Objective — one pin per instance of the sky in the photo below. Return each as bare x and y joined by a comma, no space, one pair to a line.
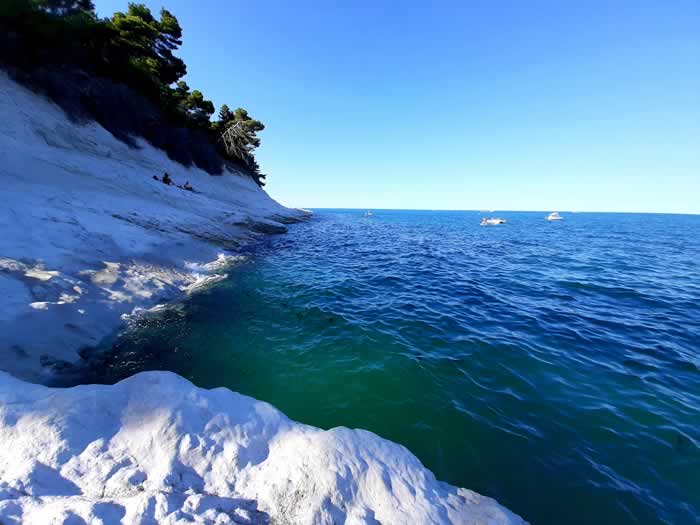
522,105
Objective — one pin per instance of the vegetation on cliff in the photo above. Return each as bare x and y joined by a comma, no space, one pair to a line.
97,57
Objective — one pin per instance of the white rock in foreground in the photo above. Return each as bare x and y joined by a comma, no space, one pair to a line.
89,236
156,449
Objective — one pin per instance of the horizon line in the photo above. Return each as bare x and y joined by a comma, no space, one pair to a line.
499,210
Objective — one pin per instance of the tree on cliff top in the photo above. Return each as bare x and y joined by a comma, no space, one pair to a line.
148,44
187,107
65,7
133,48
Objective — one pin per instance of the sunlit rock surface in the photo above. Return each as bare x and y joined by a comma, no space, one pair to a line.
156,449
88,235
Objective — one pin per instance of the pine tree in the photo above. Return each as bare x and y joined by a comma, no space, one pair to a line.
149,43
225,114
65,7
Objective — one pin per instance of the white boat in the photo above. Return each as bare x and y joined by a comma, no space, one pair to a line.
554,216
493,221
368,213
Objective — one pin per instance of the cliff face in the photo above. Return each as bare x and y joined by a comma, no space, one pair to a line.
88,234
87,237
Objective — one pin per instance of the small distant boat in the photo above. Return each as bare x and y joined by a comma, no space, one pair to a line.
554,216
493,221
368,213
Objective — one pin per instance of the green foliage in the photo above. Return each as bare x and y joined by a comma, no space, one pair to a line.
33,31
65,7
199,111
187,107
132,47
225,114
240,116
142,49
245,138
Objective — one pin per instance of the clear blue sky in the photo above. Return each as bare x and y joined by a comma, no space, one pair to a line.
523,105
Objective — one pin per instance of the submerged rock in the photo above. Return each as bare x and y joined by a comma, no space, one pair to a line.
267,226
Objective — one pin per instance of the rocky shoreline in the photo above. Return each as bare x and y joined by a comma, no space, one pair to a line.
91,236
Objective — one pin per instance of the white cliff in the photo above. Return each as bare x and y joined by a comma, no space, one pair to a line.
88,236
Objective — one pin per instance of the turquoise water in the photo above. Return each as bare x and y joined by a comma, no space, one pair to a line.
553,366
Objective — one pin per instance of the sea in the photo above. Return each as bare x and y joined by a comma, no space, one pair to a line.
554,366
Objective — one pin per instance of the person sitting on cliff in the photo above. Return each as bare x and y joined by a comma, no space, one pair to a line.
166,179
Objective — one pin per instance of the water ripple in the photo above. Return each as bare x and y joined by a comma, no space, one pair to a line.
553,366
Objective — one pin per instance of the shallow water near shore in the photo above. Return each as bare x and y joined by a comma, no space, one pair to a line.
553,366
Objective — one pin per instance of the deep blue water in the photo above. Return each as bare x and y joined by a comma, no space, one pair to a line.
553,366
